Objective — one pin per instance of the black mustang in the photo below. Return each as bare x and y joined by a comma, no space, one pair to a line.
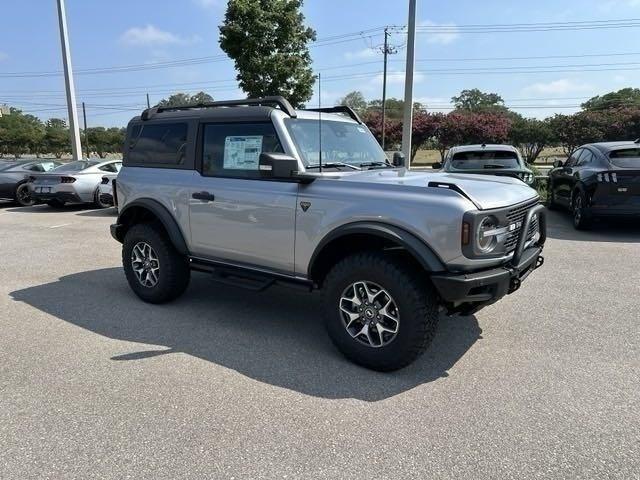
598,180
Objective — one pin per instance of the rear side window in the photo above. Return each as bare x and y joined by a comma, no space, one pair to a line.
162,144
625,158
233,150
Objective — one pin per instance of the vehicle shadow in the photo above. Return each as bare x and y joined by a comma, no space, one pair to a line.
101,212
274,337
560,226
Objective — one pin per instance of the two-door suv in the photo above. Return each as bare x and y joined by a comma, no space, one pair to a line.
256,193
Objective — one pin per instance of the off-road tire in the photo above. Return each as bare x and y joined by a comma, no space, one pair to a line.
174,273
551,198
416,299
55,203
581,217
21,199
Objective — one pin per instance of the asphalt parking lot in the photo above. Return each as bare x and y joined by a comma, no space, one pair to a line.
226,383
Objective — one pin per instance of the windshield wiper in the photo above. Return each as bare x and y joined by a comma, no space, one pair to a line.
494,165
333,165
375,164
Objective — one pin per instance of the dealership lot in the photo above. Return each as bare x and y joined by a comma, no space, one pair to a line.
226,383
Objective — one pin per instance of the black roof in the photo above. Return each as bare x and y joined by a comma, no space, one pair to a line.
606,147
254,113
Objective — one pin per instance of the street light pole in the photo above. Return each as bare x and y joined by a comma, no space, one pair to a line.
384,86
408,84
76,146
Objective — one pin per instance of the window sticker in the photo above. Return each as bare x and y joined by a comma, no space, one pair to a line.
242,152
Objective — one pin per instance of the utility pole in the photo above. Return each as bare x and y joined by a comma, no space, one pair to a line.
148,103
384,86
76,146
408,84
86,135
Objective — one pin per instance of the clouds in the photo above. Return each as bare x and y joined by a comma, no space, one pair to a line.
397,78
364,53
3,56
558,87
208,3
441,33
152,36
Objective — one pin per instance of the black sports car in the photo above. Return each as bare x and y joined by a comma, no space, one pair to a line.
14,175
598,180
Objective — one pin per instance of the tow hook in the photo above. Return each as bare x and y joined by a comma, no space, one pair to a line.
514,284
539,262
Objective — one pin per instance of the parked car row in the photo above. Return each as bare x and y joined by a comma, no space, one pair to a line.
49,181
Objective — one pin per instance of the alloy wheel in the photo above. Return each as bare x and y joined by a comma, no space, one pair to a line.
23,195
369,314
577,210
145,264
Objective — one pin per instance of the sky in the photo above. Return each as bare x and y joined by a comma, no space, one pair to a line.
538,73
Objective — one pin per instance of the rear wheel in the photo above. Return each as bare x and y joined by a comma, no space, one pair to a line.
379,312
55,203
23,196
97,202
551,203
155,270
581,217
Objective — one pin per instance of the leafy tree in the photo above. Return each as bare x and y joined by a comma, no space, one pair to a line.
181,99
267,40
424,130
477,101
625,98
56,137
395,107
468,128
531,136
393,127
20,133
354,100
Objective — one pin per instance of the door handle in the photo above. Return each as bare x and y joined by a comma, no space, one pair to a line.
204,196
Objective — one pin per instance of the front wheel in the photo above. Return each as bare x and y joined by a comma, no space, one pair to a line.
155,270
99,203
380,312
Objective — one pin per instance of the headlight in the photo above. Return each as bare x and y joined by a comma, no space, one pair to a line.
487,234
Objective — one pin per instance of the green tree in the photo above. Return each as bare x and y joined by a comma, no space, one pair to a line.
531,136
20,133
625,98
395,107
56,137
354,100
99,141
182,99
267,39
477,101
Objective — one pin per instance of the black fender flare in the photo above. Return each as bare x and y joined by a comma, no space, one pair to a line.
416,247
161,213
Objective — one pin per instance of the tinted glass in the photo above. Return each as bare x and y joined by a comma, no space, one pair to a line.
75,166
585,158
573,159
344,142
626,158
233,150
484,159
158,144
110,167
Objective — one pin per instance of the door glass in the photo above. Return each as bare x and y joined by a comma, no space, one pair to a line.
233,150
585,158
573,159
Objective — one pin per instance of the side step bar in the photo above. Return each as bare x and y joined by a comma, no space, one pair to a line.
247,278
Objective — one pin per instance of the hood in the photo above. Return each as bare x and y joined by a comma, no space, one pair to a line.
485,191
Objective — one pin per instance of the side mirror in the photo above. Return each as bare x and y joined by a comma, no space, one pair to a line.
558,164
436,166
399,160
277,165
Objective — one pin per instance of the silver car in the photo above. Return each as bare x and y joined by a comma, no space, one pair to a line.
105,189
75,182
14,177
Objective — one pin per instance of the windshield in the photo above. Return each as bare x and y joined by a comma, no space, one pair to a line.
342,142
626,158
75,166
484,159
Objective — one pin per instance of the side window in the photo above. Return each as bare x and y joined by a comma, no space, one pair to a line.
109,167
158,144
573,159
233,150
36,168
585,158
118,166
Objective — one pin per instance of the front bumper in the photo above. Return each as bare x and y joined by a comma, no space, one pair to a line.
470,291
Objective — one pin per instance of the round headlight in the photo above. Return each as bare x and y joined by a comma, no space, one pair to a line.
487,236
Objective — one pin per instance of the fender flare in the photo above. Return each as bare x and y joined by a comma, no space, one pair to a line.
416,247
164,217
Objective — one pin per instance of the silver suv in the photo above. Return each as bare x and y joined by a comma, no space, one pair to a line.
255,193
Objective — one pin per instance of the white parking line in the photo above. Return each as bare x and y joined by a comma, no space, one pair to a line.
58,226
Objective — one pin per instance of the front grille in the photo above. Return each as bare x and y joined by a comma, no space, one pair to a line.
516,216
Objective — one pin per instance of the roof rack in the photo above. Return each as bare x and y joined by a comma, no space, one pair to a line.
337,109
278,101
